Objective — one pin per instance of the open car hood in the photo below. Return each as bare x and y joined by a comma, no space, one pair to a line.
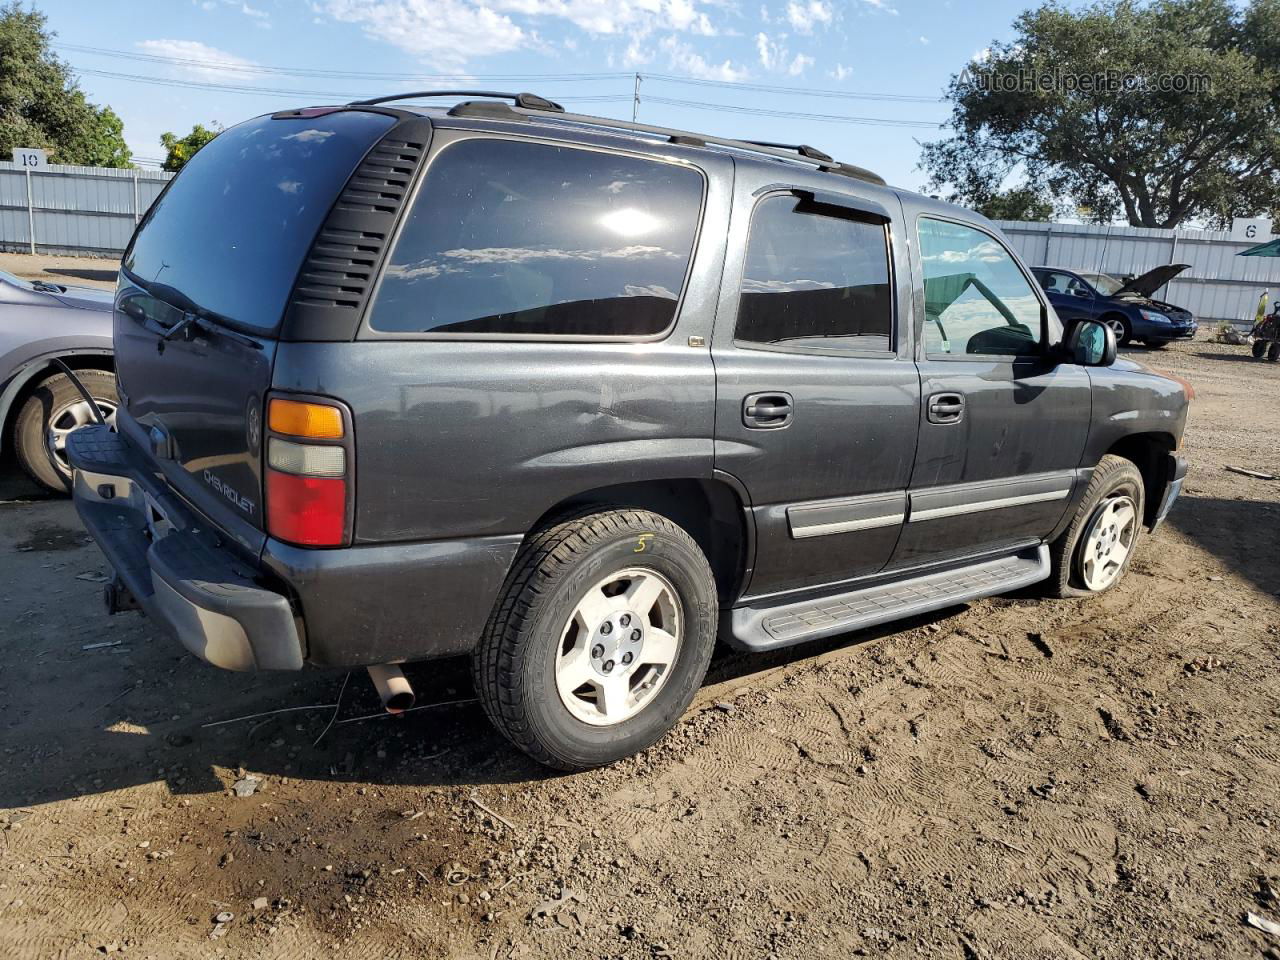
1146,284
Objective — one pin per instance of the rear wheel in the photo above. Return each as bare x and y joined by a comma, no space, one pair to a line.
1093,554
51,412
1258,349
600,638
1273,351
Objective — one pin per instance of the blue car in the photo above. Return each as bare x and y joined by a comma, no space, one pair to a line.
1127,306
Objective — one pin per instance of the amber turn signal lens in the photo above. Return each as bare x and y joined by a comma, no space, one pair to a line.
298,419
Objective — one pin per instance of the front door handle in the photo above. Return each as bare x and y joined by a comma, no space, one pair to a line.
767,411
946,408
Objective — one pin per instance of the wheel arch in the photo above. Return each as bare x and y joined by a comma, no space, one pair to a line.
1149,452
29,375
711,510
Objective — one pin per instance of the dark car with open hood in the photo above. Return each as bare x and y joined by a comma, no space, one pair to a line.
1128,306
576,398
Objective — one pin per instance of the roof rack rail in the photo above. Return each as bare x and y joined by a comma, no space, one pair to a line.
529,101
783,151
806,151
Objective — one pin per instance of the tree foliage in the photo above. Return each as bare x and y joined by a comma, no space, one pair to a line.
1126,142
1016,203
41,105
178,150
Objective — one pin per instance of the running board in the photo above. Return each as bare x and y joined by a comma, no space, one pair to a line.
768,628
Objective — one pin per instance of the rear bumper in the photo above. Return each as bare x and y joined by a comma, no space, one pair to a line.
1173,489
356,606
178,569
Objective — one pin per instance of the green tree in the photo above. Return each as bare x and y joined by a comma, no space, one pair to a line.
1016,203
1088,104
181,149
40,103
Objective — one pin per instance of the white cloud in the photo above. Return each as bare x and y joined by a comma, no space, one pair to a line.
803,16
199,56
775,56
448,33
840,72
685,59
799,65
768,51
881,6
924,41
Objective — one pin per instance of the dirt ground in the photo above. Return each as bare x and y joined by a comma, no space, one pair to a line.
1018,778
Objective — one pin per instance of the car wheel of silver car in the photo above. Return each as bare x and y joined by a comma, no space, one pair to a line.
55,408
600,638
1095,551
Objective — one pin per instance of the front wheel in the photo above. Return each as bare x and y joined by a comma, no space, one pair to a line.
55,408
1258,349
1093,554
1273,351
599,640
1120,327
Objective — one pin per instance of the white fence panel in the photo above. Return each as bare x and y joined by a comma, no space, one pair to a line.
1218,286
76,211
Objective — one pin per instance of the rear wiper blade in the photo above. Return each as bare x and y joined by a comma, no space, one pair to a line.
191,322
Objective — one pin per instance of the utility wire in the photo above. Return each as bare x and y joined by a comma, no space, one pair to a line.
249,68
792,114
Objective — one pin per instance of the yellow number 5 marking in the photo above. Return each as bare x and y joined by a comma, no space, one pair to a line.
642,542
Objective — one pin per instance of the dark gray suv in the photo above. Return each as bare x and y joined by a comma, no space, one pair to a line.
576,397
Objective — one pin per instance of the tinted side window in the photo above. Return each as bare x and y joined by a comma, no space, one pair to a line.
532,239
814,279
976,299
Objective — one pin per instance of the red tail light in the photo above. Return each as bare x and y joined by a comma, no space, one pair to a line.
308,483
308,511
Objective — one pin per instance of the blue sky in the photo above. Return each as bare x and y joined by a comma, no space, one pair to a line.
889,49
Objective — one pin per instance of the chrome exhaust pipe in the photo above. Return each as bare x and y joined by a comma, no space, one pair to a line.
397,696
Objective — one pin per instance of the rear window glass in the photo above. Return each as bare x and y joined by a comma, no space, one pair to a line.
231,230
528,239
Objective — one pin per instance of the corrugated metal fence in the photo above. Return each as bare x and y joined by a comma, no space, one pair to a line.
1219,286
91,211
73,211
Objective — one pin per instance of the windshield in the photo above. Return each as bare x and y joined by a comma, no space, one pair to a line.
228,235
1104,283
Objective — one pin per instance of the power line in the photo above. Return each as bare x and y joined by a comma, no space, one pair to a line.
792,91
249,68
793,115
290,92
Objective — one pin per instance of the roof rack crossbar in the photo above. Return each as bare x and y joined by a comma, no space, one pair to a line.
529,101
784,152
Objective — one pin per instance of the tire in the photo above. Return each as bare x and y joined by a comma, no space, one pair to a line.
56,399
1121,327
517,666
1258,348
1114,479
1273,351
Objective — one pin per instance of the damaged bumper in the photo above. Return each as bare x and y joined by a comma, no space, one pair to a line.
178,570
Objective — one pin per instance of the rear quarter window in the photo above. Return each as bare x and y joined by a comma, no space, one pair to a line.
230,231
524,239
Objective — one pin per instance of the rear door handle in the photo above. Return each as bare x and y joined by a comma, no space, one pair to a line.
946,408
767,411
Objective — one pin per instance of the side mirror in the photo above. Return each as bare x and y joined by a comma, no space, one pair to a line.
1091,343
1081,292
